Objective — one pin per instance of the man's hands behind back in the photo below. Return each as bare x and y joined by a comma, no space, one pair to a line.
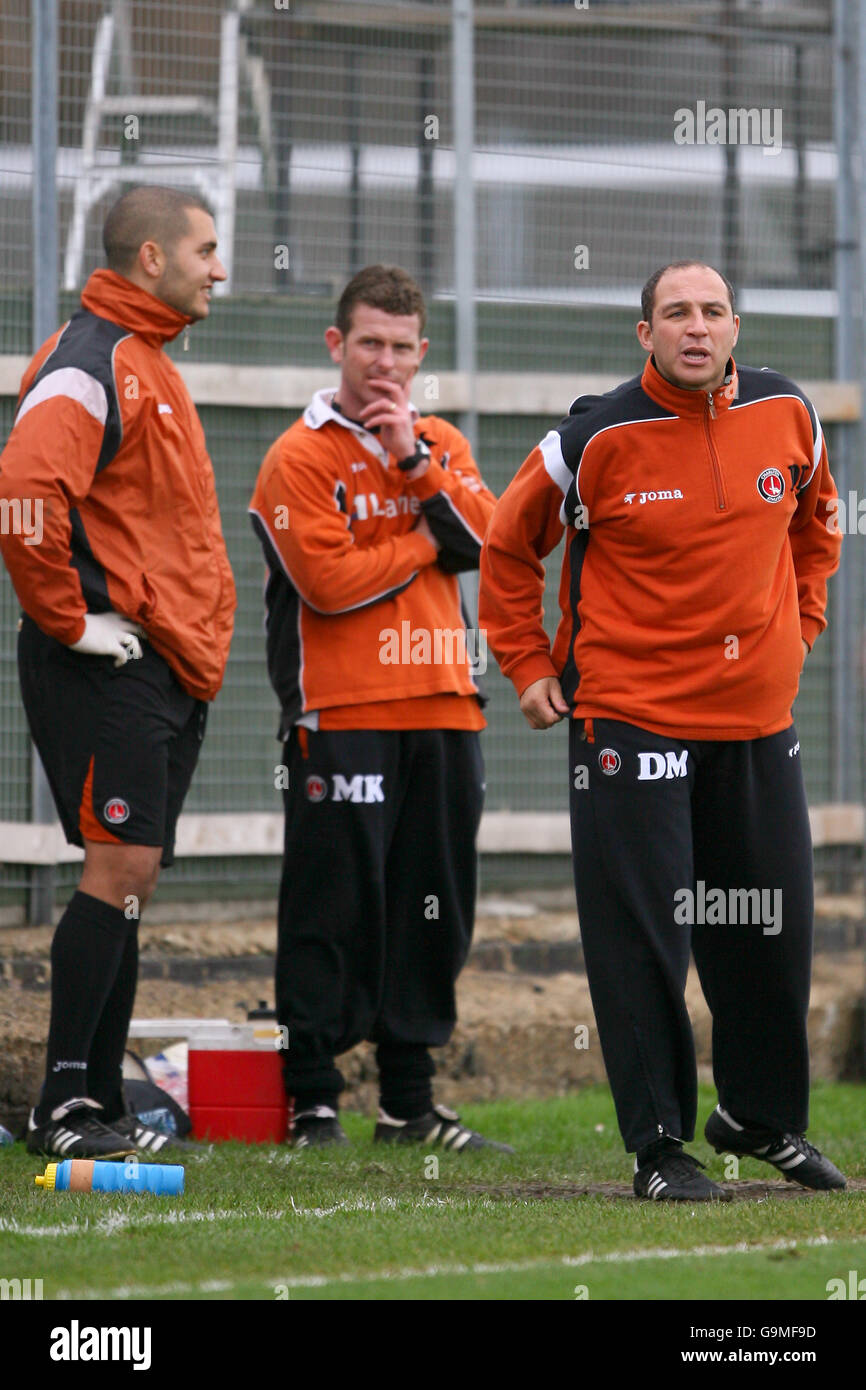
110,634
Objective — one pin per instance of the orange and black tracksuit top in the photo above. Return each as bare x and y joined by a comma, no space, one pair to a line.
365,624
700,532
107,440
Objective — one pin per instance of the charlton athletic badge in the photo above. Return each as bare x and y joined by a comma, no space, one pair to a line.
771,485
116,810
316,788
609,761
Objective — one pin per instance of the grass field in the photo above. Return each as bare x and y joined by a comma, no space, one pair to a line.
555,1222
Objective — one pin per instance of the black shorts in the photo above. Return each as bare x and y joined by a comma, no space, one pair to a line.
119,744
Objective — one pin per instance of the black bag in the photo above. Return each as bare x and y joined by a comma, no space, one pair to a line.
149,1102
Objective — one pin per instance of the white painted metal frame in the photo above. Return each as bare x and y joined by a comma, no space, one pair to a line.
216,180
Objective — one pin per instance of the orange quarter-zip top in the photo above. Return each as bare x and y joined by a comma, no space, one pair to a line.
700,530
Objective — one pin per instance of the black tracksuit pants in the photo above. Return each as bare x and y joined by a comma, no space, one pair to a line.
377,898
658,824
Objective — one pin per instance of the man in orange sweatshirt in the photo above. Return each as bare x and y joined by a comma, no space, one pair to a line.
128,603
366,512
697,506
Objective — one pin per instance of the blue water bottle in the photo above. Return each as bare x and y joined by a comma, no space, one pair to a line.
95,1175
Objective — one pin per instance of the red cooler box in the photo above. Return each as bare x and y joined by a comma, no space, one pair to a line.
236,1083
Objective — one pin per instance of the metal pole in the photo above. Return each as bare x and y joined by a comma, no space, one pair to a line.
463,80
279,58
227,138
43,15
858,471
354,131
801,192
845,369
426,204
731,187
463,114
123,30
466,360
844,99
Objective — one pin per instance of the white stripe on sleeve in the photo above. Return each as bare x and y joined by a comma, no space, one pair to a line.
73,383
551,449
819,443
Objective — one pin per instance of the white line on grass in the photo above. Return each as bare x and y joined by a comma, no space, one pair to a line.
318,1281
118,1221
115,1221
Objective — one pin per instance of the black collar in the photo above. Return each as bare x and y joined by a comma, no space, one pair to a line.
360,423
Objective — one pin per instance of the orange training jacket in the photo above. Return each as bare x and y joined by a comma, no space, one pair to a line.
700,532
359,621
108,450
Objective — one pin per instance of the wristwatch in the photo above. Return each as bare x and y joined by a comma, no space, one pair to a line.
421,455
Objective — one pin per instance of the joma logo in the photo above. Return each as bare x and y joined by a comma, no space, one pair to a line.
663,495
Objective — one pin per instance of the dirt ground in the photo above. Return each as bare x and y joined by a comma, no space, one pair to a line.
519,1034
742,1190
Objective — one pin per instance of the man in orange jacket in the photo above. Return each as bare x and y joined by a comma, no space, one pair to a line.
698,509
128,603
366,512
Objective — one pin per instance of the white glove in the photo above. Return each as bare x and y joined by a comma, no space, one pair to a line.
110,634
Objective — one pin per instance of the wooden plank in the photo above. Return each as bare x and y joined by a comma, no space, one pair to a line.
223,835
496,393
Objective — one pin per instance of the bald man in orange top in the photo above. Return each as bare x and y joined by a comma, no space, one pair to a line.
698,511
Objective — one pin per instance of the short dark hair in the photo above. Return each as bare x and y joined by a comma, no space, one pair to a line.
147,212
648,294
386,287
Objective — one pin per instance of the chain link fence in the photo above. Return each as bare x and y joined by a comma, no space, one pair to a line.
608,138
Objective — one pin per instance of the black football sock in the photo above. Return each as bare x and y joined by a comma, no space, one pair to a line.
105,1063
86,952
666,1144
303,1101
406,1072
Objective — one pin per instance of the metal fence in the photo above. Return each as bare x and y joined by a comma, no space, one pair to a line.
530,164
